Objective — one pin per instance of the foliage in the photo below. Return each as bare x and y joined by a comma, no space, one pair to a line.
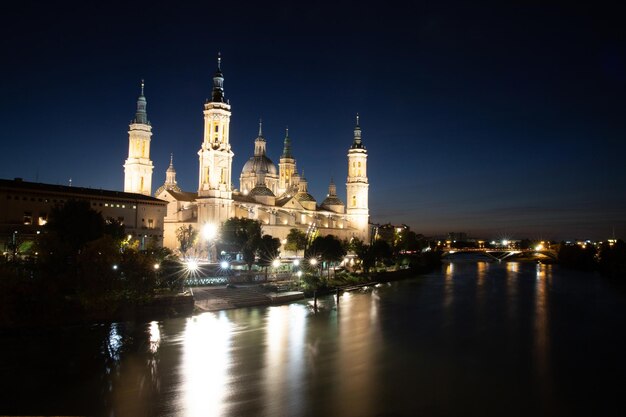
243,236
312,282
612,259
268,250
380,251
75,223
115,229
81,270
576,256
328,248
296,240
186,236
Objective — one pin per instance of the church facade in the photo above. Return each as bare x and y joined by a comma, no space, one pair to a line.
277,197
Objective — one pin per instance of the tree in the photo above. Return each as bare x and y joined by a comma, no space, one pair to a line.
612,259
243,236
186,236
328,248
268,251
296,240
577,257
380,250
362,251
75,223
115,229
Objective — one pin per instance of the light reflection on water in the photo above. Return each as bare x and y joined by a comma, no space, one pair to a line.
205,364
480,338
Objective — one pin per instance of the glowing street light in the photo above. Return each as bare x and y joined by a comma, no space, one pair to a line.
313,261
276,263
209,231
192,265
296,262
115,267
156,266
224,265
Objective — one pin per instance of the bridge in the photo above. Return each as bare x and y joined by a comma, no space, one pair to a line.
499,254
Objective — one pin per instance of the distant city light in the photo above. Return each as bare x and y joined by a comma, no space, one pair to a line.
224,265
296,262
505,242
276,263
539,247
313,261
157,266
299,274
114,267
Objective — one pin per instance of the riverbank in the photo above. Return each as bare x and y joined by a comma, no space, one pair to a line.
71,312
58,311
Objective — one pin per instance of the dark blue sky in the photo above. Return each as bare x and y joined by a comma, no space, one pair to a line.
497,120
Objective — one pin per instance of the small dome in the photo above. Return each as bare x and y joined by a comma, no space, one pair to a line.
304,197
259,164
332,201
261,190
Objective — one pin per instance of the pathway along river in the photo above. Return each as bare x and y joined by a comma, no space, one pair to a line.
474,338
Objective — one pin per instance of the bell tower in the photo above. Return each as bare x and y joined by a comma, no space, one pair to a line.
215,157
138,166
286,166
357,186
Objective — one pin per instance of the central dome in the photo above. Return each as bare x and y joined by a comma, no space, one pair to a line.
259,164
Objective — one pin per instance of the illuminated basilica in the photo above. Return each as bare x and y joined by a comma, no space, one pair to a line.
276,196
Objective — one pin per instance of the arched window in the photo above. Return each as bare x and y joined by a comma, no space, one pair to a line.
353,201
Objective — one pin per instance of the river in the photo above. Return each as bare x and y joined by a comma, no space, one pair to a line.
474,338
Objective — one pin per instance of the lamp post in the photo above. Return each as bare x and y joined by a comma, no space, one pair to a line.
209,231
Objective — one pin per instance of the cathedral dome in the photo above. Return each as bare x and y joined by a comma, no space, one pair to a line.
332,201
261,190
304,196
259,164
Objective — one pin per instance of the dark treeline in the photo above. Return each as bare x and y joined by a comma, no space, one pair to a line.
609,258
80,267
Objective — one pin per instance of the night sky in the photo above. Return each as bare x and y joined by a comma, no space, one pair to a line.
495,120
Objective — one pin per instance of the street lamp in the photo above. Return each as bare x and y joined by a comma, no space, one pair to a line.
191,265
209,231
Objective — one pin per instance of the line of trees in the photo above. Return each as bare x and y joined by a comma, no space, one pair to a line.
81,263
608,258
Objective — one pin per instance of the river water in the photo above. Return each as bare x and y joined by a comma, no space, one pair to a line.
474,338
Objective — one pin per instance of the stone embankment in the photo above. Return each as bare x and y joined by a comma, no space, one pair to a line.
227,297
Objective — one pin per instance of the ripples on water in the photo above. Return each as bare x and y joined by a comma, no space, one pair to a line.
479,338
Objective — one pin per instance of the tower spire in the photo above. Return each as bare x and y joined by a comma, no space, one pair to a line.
356,143
218,82
140,115
260,127
287,145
